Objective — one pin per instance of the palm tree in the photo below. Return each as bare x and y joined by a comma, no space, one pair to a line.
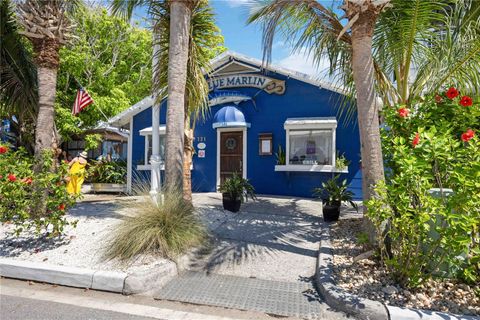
18,79
47,26
318,28
418,46
205,42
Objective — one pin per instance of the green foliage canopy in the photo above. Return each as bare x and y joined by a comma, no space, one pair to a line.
111,59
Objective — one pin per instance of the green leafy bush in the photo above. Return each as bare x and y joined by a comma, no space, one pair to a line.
430,144
103,171
237,187
168,228
333,192
19,194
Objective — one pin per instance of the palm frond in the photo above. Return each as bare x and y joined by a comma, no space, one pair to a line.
18,79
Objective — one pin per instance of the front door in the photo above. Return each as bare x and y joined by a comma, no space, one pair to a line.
231,154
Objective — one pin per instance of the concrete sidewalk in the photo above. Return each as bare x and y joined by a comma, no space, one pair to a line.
262,258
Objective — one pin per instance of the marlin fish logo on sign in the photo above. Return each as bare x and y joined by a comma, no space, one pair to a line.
269,85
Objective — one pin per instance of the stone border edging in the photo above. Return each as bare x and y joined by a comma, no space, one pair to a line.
113,281
364,309
361,308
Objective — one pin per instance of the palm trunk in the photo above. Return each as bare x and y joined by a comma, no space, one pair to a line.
45,126
187,162
368,121
180,15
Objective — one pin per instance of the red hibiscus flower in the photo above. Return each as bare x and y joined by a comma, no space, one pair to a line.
438,98
27,180
403,112
11,177
452,93
469,134
3,149
416,140
61,207
466,101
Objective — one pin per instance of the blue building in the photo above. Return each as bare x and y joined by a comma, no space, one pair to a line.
254,112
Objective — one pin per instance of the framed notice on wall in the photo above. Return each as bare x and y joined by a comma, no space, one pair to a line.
265,147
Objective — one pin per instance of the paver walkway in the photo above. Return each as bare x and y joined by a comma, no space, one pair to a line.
262,258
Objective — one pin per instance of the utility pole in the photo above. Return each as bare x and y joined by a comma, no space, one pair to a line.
155,160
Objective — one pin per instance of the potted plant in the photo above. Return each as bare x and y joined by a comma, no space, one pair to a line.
333,193
108,176
236,190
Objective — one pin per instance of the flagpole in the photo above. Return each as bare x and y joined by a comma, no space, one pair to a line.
80,85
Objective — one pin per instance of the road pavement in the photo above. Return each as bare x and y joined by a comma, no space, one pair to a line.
25,300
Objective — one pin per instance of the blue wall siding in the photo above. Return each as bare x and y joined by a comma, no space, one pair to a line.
271,111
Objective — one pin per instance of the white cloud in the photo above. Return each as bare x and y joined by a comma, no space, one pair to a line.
302,62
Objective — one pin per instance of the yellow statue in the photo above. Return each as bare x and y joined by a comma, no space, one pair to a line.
77,173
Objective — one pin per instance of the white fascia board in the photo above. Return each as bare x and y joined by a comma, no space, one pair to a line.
123,118
162,129
310,123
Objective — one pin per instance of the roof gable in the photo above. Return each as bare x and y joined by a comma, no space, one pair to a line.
234,67
231,63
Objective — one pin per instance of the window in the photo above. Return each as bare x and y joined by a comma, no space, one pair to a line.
147,133
148,148
310,145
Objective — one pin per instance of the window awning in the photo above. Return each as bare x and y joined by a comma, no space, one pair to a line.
148,131
228,117
311,123
226,96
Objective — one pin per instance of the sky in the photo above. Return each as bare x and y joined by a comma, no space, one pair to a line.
231,16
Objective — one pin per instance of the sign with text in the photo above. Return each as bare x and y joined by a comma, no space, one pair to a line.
269,85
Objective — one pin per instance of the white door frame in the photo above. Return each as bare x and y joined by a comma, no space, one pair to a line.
244,151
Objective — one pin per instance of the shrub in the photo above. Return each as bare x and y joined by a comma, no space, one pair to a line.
19,195
103,171
167,229
237,188
431,144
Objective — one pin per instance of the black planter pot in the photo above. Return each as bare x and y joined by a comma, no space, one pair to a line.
232,205
331,212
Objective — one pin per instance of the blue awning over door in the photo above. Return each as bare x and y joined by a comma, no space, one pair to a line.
229,117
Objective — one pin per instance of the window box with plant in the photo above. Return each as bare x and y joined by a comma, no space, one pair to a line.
333,193
108,176
236,190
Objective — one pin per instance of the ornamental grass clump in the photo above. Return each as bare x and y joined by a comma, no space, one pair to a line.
167,229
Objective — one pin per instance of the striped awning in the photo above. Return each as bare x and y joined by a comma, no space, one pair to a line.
229,117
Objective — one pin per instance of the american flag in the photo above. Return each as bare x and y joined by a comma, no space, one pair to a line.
82,100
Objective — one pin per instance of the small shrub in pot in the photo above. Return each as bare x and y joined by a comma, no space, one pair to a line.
333,193
236,190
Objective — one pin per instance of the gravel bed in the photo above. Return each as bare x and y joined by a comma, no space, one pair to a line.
84,245
368,279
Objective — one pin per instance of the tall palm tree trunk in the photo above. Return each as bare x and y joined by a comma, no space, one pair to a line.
367,107
180,15
187,161
368,121
45,126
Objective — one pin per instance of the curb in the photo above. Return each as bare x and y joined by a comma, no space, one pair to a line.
113,281
364,309
335,297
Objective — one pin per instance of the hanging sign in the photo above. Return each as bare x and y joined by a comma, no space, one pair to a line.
269,85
